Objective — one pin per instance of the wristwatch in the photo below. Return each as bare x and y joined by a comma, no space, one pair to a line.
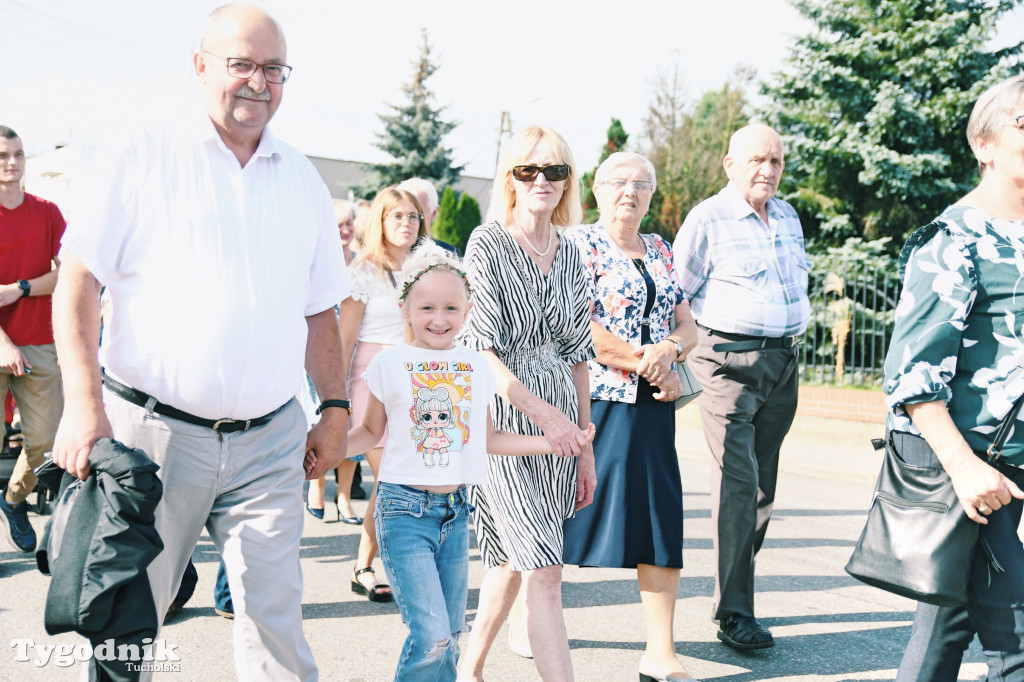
26,288
344,404
679,349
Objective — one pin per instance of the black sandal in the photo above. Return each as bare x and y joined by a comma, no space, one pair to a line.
745,633
374,593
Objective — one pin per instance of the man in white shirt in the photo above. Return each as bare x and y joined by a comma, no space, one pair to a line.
218,245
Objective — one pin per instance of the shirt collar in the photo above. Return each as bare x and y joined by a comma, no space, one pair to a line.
738,205
204,132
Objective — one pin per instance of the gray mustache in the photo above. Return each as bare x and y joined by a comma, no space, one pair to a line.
248,93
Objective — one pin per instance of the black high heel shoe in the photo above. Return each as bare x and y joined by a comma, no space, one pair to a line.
314,512
652,675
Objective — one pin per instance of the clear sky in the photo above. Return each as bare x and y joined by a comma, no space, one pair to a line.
75,70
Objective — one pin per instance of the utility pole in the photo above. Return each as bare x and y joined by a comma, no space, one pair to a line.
505,127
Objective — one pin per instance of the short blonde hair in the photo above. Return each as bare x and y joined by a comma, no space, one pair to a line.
999,101
374,246
503,194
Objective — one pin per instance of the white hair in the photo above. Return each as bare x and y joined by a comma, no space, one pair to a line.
420,186
622,159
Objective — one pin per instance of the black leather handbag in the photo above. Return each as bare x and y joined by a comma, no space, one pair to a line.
918,541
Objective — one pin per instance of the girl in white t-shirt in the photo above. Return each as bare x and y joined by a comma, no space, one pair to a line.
433,398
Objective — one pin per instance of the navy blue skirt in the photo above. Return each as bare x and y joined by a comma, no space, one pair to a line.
637,513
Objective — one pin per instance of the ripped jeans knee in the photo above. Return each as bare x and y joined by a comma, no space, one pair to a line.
442,648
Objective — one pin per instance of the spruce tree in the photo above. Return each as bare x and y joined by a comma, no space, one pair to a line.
445,226
414,133
873,105
456,218
469,218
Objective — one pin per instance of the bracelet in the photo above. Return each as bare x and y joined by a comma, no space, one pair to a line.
344,404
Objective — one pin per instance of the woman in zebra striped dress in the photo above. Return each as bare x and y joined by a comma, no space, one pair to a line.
530,317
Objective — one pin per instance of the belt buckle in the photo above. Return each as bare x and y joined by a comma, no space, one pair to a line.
227,422
764,342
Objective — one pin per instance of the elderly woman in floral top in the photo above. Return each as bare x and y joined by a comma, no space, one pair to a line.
954,369
636,519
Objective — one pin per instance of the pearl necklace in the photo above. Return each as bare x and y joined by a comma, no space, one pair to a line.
551,234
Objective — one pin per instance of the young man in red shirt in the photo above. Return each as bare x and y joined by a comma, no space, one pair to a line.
30,232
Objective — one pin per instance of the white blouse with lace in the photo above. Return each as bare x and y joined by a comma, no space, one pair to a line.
382,319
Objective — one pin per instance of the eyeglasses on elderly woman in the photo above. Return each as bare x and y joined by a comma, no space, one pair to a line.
639,186
553,173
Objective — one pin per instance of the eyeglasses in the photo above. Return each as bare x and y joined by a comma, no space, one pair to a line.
402,217
552,173
639,186
1018,122
244,69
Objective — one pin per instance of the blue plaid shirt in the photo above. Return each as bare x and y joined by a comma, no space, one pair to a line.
740,275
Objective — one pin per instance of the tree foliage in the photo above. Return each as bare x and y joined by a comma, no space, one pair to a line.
469,219
414,133
445,225
686,141
873,105
616,142
456,218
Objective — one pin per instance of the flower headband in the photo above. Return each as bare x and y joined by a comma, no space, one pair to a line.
433,266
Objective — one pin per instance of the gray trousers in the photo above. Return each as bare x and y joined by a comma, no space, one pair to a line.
746,409
246,489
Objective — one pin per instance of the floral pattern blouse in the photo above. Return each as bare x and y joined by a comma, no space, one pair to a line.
619,297
958,335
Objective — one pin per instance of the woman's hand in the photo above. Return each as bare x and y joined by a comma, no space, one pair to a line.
655,360
981,488
567,438
669,387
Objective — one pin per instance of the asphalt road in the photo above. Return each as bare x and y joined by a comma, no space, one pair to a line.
828,627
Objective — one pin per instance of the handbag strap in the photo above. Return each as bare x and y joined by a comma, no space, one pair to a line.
995,451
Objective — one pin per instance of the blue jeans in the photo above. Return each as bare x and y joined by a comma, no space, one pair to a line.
221,593
424,546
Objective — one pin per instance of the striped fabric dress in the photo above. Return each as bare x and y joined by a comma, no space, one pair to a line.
519,512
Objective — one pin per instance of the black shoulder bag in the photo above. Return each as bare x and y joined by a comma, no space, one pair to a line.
918,541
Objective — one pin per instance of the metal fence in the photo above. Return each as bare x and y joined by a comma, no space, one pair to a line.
851,323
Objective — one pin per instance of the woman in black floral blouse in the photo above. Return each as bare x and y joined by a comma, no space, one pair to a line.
954,369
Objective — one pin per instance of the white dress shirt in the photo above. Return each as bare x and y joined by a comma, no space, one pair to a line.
212,268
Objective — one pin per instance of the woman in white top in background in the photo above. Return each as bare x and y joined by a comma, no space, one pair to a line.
345,212
371,320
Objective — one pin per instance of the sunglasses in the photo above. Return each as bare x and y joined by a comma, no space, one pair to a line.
552,173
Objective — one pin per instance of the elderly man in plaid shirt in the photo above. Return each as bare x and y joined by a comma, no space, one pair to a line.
740,261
